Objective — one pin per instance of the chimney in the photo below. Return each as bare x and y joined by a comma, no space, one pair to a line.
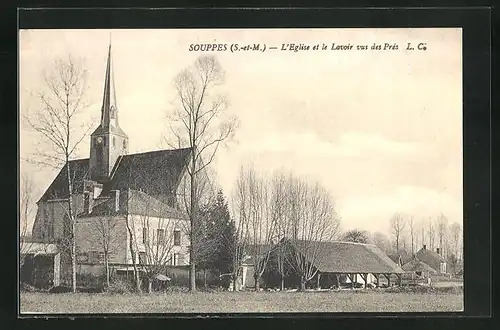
88,202
425,247
117,199
438,250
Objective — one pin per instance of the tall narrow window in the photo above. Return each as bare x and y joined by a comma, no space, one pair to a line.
124,144
114,141
104,140
160,234
175,259
144,235
177,237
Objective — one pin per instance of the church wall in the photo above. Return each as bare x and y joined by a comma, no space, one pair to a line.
49,224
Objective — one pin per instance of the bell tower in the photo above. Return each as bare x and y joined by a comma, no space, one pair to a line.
108,141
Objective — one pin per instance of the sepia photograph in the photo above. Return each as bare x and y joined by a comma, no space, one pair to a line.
287,170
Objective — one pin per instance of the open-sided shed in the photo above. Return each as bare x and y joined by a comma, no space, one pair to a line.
336,258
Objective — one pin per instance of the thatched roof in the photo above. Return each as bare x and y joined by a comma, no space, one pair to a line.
416,265
346,257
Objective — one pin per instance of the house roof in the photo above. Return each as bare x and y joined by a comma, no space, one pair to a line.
429,257
396,258
347,257
253,249
157,173
133,202
416,265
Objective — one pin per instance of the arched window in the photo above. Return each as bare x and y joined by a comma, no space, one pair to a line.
113,141
124,144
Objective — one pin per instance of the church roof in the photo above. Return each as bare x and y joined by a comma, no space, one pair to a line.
156,173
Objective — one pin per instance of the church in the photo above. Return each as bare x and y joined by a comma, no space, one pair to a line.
124,204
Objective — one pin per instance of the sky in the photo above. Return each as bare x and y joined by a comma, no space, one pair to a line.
381,130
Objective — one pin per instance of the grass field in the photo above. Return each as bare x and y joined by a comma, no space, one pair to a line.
235,302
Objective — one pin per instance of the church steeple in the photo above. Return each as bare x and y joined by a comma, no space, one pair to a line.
108,142
109,110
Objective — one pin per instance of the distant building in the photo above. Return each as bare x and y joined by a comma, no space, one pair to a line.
433,259
426,262
113,185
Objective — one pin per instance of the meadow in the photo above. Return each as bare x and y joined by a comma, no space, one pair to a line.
241,302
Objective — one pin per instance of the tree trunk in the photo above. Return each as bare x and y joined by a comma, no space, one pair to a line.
73,225
107,270
282,287
192,277
192,256
302,283
257,283
150,285
205,278
132,253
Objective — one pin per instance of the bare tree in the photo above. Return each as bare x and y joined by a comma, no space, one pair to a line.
455,237
412,233
199,123
382,241
133,249
57,121
357,236
156,245
313,221
104,228
282,224
431,234
422,227
455,234
398,224
26,209
442,226
261,224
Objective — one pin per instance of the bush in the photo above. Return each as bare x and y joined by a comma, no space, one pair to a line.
91,281
424,289
27,288
120,287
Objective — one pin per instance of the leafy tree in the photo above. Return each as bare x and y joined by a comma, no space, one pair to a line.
357,236
220,236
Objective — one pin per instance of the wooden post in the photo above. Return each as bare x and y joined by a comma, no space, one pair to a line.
338,280
376,277
352,281
57,269
365,279
388,280
317,283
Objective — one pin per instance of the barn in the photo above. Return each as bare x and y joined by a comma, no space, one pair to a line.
334,263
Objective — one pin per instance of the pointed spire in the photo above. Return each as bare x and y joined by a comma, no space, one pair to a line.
109,110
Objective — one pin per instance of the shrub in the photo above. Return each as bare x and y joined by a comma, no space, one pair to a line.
120,287
27,288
